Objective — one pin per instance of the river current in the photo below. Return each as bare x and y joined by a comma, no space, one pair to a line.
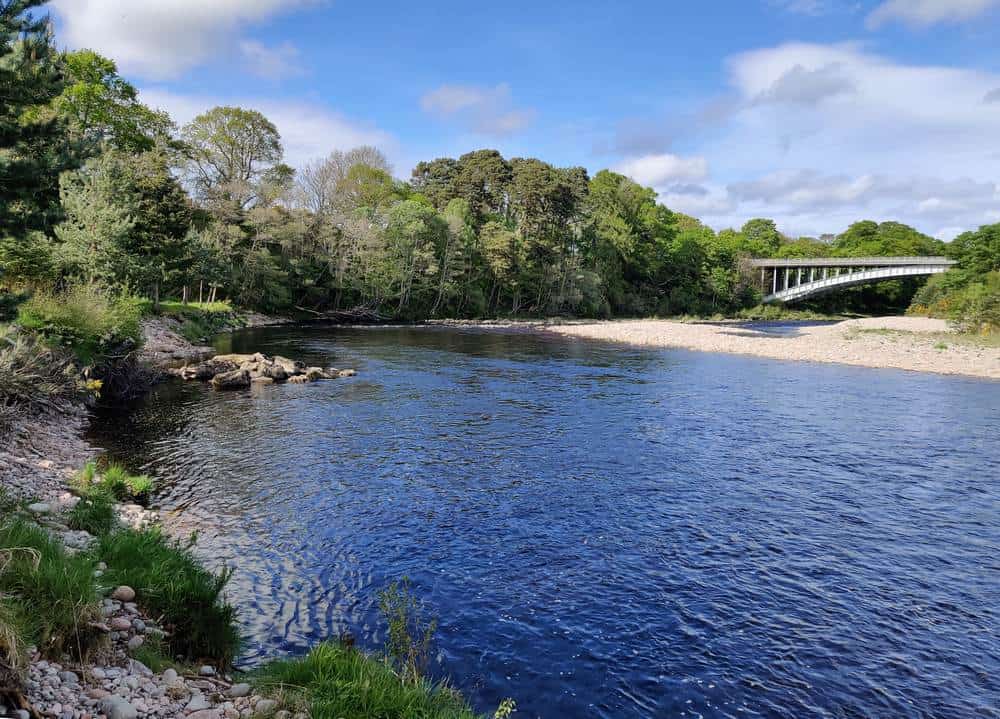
603,531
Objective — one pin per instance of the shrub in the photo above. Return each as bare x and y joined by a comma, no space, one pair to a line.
85,319
33,377
94,513
409,637
171,583
334,681
55,590
14,634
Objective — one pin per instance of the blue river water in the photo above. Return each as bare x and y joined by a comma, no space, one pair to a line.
604,531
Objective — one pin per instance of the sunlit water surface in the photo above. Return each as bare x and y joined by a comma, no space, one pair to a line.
604,531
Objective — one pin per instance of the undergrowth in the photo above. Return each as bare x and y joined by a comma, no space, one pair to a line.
171,583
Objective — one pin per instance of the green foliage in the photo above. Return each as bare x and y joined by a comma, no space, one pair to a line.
100,106
171,583
124,486
15,631
969,294
55,590
127,224
94,513
86,319
338,682
409,634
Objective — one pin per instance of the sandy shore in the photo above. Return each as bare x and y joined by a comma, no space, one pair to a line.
910,343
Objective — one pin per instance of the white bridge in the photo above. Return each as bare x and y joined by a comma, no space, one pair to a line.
797,279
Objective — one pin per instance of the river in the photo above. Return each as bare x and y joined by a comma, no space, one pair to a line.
603,531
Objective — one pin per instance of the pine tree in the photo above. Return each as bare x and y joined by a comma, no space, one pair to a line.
33,143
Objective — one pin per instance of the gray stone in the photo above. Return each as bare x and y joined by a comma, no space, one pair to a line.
198,703
139,626
120,624
69,678
134,643
265,707
22,714
207,671
346,373
239,690
40,508
117,708
123,594
169,676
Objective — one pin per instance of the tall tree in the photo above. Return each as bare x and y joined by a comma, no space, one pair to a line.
100,106
232,153
33,145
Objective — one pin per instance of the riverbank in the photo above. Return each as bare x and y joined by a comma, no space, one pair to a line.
917,344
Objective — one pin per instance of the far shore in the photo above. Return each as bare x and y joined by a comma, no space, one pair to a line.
918,344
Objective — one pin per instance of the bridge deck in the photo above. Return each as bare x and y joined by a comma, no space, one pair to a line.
798,278
851,262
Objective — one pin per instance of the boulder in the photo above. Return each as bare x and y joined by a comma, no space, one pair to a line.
208,369
315,373
262,380
234,359
273,370
298,379
346,373
291,367
237,379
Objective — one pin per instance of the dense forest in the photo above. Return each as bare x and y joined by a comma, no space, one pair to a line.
99,191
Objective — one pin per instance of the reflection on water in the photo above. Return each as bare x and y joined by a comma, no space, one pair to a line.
603,531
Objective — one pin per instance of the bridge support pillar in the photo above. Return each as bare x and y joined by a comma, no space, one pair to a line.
788,276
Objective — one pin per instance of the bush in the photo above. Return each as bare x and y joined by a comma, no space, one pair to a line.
34,378
972,303
169,582
85,319
335,681
55,590
94,513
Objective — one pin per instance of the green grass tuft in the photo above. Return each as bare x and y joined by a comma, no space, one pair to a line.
127,486
94,513
55,590
171,583
338,682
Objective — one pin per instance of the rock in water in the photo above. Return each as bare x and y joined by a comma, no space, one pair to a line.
237,379
346,373
315,373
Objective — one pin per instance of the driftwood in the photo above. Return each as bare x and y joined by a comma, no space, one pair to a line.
356,315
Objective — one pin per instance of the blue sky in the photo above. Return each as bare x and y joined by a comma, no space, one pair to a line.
813,112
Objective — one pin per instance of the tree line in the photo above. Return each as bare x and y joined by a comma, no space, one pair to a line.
97,188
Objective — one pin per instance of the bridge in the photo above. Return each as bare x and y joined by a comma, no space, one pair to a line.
797,279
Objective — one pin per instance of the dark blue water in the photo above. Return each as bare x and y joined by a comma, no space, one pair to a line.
606,532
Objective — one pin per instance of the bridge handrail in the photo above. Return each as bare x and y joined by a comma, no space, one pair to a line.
850,262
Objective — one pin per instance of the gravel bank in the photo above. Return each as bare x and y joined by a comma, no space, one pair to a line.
909,343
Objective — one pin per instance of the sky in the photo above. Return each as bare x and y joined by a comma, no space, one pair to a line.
815,113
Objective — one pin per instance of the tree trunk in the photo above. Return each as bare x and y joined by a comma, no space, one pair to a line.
201,289
156,296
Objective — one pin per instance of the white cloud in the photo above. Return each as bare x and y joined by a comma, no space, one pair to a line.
924,13
663,169
818,136
992,96
308,131
272,63
804,7
161,39
484,110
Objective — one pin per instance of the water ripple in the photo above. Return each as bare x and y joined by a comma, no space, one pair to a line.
606,532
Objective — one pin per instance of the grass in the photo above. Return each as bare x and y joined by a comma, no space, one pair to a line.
199,320
154,653
34,377
94,513
85,319
171,583
338,682
116,481
55,591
